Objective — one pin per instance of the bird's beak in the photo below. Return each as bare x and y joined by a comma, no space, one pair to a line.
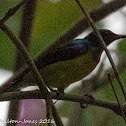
120,36
116,37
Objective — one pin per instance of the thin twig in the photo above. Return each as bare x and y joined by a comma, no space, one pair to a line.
96,15
30,63
25,32
10,96
56,116
26,29
12,11
7,86
110,80
28,60
82,25
19,45
49,103
92,24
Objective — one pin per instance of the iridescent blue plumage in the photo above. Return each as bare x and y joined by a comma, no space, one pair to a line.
71,50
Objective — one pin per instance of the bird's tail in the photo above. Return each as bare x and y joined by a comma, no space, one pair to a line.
14,83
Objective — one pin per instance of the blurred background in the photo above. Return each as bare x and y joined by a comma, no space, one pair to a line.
52,19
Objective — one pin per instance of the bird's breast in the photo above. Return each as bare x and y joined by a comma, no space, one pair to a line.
62,74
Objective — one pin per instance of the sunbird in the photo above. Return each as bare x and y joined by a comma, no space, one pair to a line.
70,62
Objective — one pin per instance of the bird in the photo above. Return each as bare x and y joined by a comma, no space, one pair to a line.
68,63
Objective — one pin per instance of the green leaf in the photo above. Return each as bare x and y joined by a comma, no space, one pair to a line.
122,45
51,21
7,49
54,19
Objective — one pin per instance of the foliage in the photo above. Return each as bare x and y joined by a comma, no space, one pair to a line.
51,21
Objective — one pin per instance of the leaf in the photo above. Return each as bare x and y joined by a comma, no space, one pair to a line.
7,49
54,19
51,21
122,45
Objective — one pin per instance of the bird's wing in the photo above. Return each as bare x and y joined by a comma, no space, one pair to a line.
68,51
65,52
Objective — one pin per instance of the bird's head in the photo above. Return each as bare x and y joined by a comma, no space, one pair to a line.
94,42
107,35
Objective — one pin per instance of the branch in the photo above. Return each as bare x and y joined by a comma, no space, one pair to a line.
56,116
117,99
19,45
26,29
12,11
92,24
82,25
25,32
86,99
78,28
23,51
96,15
